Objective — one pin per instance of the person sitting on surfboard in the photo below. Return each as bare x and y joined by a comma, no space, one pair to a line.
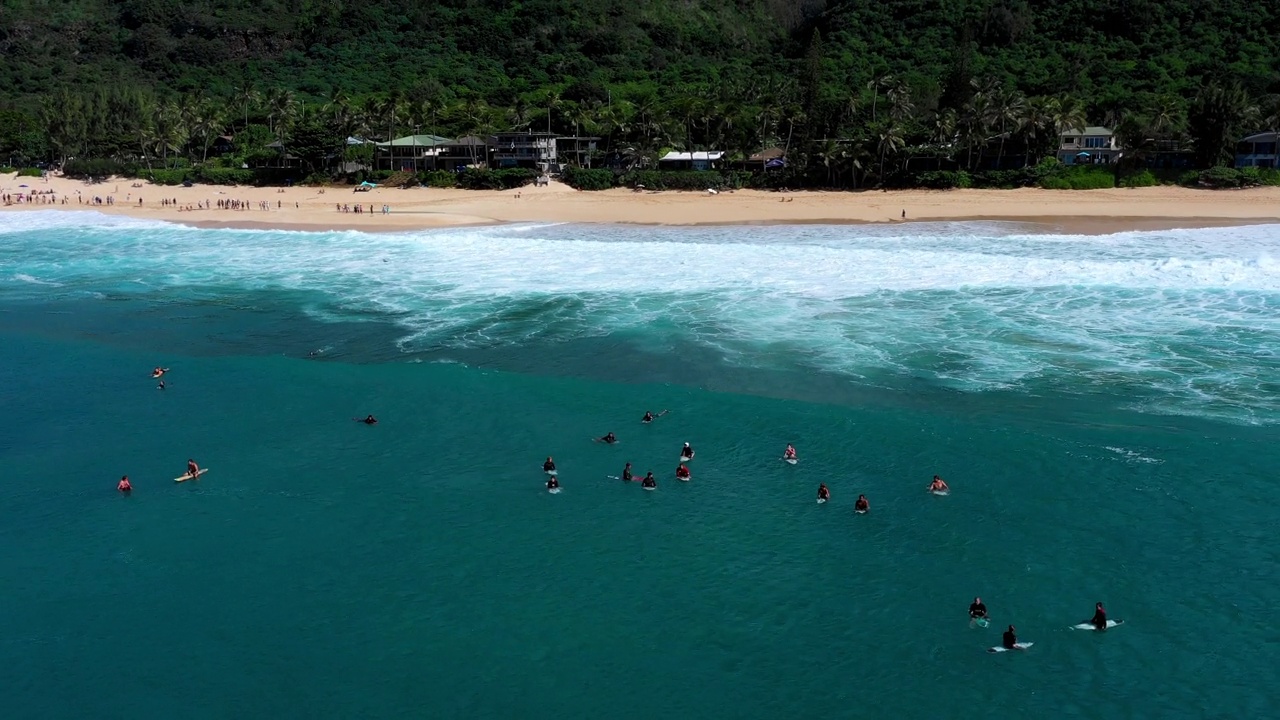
650,417
1099,617
548,466
552,483
626,473
608,438
823,492
192,468
938,485
977,609
158,372
789,453
124,485
682,472
1010,639
687,452
649,480
370,420
862,505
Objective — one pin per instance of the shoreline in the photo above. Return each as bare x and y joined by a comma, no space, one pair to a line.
309,209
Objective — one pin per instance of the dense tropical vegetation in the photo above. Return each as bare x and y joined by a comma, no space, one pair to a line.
938,93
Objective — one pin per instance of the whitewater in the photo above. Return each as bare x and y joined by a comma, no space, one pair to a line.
1190,316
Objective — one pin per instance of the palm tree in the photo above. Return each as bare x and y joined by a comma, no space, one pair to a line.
553,101
282,108
830,154
245,98
1009,111
884,80
891,141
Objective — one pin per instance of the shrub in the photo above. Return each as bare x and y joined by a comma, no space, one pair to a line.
589,179
505,179
166,177
1079,177
438,179
674,179
1140,179
942,179
224,175
93,168
30,172
1221,178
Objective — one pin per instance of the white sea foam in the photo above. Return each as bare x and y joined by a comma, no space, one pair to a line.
1191,315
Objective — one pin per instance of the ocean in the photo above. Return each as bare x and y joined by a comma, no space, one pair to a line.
1105,409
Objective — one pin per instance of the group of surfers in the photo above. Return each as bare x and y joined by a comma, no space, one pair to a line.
1009,641
193,470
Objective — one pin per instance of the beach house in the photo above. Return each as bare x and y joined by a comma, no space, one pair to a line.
525,149
411,152
700,160
1258,151
1093,145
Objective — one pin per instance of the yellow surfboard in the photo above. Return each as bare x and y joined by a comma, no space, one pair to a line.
189,476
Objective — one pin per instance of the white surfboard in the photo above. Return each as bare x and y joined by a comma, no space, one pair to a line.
822,501
550,472
861,512
651,488
683,479
940,493
1019,646
1089,626
790,461
979,622
554,490
189,476
684,459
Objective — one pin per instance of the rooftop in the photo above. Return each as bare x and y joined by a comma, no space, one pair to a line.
1269,136
690,156
1090,130
416,141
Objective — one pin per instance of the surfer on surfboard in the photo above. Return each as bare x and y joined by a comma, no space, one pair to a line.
1099,619
158,372
124,485
367,420
548,466
682,473
192,468
1009,641
687,453
626,473
650,417
823,493
649,481
938,485
552,483
789,453
607,439
862,505
977,609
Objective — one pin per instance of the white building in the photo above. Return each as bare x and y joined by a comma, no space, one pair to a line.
702,160
1091,146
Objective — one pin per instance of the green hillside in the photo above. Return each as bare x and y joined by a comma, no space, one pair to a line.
91,77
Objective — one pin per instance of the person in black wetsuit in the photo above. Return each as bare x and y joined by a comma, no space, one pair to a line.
1010,640
608,438
1099,619
977,609
649,481
552,483
823,492
626,473
548,466
370,420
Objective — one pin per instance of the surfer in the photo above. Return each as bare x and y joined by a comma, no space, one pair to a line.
650,417
626,473
1099,619
977,609
192,468
124,485
158,372
862,505
823,492
548,466
789,453
687,452
938,485
608,439
160,386
682,472
368,420
552,483
1010,640
649,481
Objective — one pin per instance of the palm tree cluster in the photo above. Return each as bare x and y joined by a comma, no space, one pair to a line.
848,134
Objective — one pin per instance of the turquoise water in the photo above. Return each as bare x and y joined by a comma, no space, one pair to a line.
1105,409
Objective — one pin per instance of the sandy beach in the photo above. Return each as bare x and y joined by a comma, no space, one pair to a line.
312,208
